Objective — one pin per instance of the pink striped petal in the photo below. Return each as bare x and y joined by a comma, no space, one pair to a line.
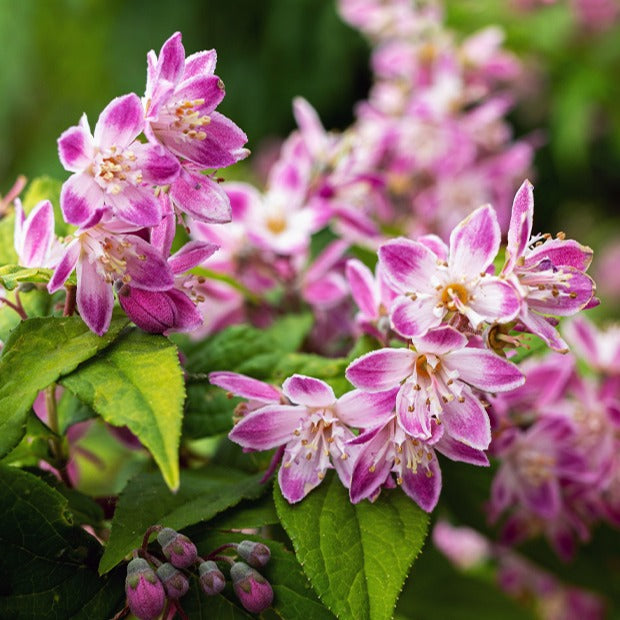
200,63
413,412
474,242
561,253
158,166
408,265
495,301
201,197
422,488
190,255
146,266
37,235
268,427
299,478
539,325
246,387
573,295
120,122
203,87
365,410
440,340
308,391
520,224
382,370
95,298
75,147
363,287
327,291
171,60
414,317
80,198
457,451
467,421
65,266
136,205
484,369
436,245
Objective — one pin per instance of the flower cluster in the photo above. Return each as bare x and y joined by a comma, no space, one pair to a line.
125,195
151,583
447,318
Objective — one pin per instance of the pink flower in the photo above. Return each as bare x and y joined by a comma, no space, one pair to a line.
434,384
35,242
549,273
312,430
432,286
112,171
180,101
103,257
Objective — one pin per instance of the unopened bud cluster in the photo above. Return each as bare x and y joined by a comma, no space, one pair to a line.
151,582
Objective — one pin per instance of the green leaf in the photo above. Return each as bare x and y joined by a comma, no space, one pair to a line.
208,411
48,565
146,501
38,352
248,514
293,594
138,382
8,255
13,275
290,331
357,556
36,303
437,589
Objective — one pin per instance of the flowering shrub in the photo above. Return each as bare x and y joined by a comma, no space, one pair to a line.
381,307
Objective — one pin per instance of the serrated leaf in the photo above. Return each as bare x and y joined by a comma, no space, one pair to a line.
356,556
13,275
138,383
208,412
147,501
38,352
293,594
48,565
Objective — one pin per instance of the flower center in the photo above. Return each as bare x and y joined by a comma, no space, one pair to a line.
113,169
421,367
453,292
184,117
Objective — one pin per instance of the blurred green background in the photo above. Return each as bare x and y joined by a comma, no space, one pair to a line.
66,57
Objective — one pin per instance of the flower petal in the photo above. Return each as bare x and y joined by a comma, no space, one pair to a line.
412,318
408,265
120,122
520,224
95,298
474,242
457,451
136,205
146,266
246,387
299,477
495,301
539,325
363,287
423,486
268,427
206,88
484,369
171,59
467,421
308,391
440,340
75,148
80,198
37,234
190,255
200,63
561,253
158,166
65,266
366,410
381,370
201,197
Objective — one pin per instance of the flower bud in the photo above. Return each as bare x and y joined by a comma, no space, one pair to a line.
254,553
252,589
145,593
175,582
212,581
178,549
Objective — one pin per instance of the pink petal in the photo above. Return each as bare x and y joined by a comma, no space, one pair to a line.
327,291
157,312
495,301
207,87
201,197
457,451
583,336
408,265
158,166
65,266
146,266
37,235
80,198
520,224
539,325
171,60
543,499
191,254
95,298
371,467
436,245
75,148
268,427
422,488
412,318
298,479
474,242
246,387
120,122
573,295
308,391
136,205
366,410
200,63
440,340
382,370
467,421
561,253
413,413
162,235
484,369
363,287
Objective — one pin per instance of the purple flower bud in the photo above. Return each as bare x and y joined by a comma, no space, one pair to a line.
212,581
145,593
254,553
252,589
175,582
177,548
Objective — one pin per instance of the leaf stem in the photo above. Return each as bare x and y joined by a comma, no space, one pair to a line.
17,306
70,300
